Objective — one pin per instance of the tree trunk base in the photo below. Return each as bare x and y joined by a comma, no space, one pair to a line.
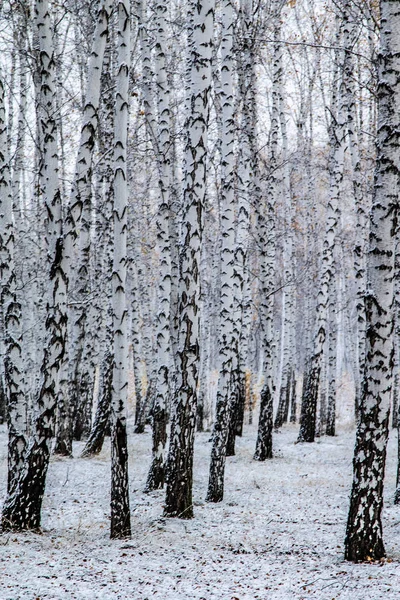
22,509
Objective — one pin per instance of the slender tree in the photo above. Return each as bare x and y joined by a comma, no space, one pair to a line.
161,403
11,312
22,508
120,512
180,459
266,231
336,164
225,392
364,539
79,212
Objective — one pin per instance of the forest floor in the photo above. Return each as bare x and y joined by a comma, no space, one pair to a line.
278,534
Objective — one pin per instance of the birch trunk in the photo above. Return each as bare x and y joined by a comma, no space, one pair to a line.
95,441
288,342
156,475
266,233
180,459
332,363
120,512
225,393
22,508
11,315
79,211
361,246
336,163
245,187
364,540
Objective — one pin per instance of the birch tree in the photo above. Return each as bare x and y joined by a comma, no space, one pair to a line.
288,305
266,233
360,249
336,163
11,312
227,338
120,511
364,540
180,458
161,403
79,211
22,507
245,186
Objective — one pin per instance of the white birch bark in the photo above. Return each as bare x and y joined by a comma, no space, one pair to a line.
360,248
364,539
288,306
180,459
149,103
136,337
99,338
225,391
79,211
11,313
120,512
266,237
245,188
22,508
156,475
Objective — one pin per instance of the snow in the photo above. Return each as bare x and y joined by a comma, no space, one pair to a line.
278,534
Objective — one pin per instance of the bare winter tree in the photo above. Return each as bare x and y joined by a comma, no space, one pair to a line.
161,403
79,213
22,507
228,342
326,286
120,512
11,311
180,459
364,539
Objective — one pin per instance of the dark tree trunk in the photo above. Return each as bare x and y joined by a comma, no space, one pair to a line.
321,409
264,437
293,403
308,416
251,407
142,409
156,476
284,402
331,417
200,413
179,468
240,405
288,396
230,440
364,541
83,408
223,430
63,438
120,512
395,408
139,424
101,421
236,412
357,402
22,510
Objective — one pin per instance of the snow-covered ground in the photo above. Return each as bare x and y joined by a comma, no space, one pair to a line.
277,535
